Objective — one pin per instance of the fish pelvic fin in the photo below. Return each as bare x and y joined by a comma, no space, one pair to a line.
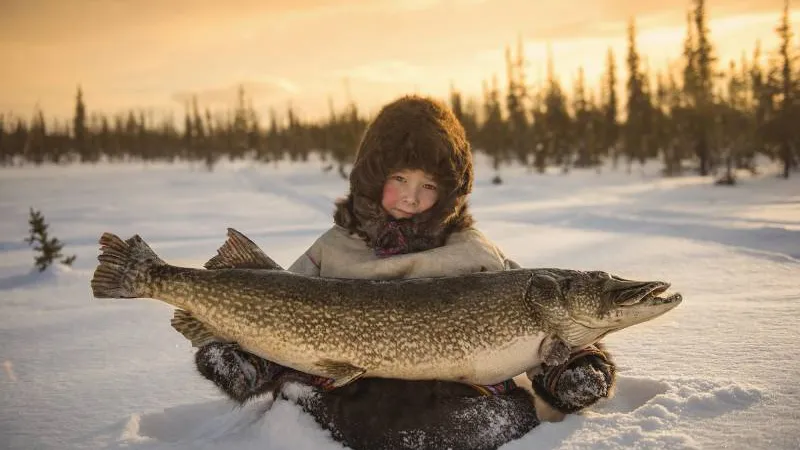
194,330
239,252
122,263
341,372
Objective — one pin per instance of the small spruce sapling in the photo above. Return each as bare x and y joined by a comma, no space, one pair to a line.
48,249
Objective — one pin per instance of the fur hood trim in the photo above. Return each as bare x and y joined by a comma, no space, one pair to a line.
412,132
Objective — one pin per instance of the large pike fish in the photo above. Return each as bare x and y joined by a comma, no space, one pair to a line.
481,328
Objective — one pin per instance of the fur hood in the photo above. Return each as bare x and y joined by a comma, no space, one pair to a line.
412,132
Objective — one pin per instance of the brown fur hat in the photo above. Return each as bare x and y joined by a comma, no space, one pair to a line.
412,132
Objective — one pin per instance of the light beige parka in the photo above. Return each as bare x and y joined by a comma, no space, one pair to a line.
339,254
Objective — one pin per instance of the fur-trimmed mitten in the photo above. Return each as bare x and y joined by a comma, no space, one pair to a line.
588,376
239,374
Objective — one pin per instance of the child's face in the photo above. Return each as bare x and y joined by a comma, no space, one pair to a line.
408,192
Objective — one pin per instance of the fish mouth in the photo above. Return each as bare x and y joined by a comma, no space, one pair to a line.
640,302
654,294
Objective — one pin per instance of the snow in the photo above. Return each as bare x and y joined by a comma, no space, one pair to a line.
720,371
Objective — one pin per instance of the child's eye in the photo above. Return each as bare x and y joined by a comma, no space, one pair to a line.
429,186
399,178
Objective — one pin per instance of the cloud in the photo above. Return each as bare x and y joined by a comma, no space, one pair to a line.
257,91
141,52
384,71
83,21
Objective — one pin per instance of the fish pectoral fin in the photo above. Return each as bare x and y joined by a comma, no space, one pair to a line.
239,252
192,329
341,372
554,351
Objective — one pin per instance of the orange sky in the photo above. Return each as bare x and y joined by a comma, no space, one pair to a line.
154,53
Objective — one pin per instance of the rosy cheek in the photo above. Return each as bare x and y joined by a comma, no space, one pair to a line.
390,195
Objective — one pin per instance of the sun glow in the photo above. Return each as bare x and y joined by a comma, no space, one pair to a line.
306,53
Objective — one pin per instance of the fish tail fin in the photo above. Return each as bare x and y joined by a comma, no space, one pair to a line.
121,264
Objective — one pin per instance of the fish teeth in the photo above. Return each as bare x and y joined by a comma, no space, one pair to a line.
669,299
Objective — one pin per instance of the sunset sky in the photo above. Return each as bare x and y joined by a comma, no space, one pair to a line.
155,53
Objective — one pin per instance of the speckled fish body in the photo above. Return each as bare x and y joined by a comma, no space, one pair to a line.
480,328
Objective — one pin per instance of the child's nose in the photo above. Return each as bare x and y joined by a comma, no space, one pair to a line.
411,196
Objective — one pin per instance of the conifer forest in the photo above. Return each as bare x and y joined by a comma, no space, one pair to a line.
701,115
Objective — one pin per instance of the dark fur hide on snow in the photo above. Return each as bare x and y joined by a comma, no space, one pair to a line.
384,414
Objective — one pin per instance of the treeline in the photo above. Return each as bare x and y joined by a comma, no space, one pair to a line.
700,114
204,137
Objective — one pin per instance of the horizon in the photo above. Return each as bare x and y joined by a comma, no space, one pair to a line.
142,54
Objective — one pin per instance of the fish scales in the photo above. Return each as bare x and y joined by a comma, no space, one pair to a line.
406,323
478,328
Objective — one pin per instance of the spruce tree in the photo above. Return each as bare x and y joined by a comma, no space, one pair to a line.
79,129
610,108
239,127
254,142
661,130
36,145
199,137
104,144
274,143
557,120
493,128
465,112
786,126
539,132
635,124
48,248
518,132
4,154
745,157
703,84
762,99
456,103
732,124
188,133
689,66
583,122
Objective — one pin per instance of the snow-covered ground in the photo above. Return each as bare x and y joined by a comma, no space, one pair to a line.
720,371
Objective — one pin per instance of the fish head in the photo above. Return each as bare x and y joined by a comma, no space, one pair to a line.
590,305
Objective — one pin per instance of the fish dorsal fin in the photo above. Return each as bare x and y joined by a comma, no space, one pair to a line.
192,329
341,372
239,252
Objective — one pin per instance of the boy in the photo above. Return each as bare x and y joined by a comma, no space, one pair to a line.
406,216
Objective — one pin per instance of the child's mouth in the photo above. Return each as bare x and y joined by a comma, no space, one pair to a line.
402,213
